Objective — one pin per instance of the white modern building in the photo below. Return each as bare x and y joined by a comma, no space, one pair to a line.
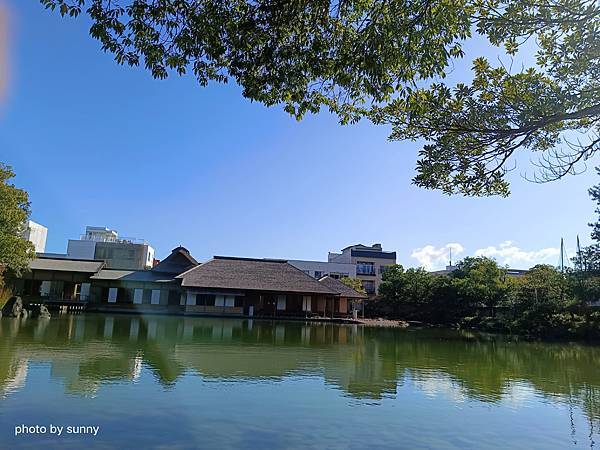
101,243
319,269
370,262
36,234
367,263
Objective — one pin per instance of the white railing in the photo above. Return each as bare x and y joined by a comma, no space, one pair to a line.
118,240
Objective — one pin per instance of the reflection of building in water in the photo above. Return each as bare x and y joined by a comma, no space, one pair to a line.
15,377
85,351
137,368
113,348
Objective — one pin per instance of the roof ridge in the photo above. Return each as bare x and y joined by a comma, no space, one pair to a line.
243,258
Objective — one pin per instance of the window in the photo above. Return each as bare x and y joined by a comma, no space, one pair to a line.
84,294
220,300
112,295
369,286
230,301
338,275
382,269
137,296
306,303
205,300
281,303
365,268
45,288
190,299
155,299
318,274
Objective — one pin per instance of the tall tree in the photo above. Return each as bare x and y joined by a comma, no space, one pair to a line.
480,281
543,288
387,60
408,286
15,251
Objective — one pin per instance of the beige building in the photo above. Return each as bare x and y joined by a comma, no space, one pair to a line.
370,261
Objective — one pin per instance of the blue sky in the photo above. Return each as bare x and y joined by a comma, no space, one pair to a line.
95,143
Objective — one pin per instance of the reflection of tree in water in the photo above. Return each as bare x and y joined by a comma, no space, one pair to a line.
369,363
588,398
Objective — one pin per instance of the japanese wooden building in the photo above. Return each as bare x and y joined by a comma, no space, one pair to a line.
222,286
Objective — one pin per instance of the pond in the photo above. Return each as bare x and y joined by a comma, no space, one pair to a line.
175,382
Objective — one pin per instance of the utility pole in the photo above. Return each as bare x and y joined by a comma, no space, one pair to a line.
581,266
561,262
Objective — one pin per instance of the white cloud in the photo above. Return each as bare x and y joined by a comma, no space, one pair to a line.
507,253
433,258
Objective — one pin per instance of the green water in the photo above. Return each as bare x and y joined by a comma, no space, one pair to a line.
172,382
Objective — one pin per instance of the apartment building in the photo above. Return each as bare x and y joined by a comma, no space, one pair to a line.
319,269
370,262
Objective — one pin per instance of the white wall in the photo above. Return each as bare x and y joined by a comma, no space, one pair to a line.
149,257
324,267
36,234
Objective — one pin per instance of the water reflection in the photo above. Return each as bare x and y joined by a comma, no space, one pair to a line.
85,351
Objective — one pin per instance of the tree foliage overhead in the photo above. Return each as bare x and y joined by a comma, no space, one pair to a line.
387,60
304,54
15,251
475,128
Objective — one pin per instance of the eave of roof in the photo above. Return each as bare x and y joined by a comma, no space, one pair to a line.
147,276
66,265
341,288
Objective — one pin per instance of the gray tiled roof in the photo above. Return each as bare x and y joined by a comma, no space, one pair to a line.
340,288
252,274
66,265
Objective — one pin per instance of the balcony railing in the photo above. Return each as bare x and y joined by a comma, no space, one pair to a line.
118,240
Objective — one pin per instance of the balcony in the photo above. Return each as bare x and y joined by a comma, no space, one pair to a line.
365,271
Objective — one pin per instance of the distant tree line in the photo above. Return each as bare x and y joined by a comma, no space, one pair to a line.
479,294
544,302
